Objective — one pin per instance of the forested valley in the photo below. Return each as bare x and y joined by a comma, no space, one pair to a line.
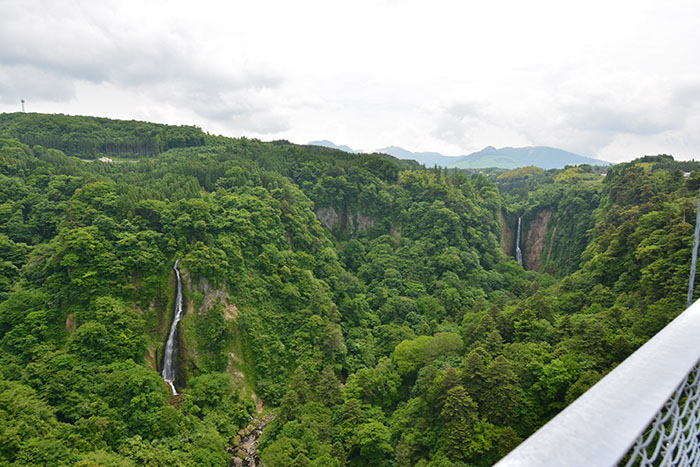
370,310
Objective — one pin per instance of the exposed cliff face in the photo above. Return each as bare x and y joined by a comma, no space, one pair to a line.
363,222
328,217
70,323
159,312
212,295
354,222
551,241
534,240
203,298
507,235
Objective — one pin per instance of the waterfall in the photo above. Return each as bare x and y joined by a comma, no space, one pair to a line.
518,252
169,353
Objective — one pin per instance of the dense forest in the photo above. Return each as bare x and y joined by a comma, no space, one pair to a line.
371,309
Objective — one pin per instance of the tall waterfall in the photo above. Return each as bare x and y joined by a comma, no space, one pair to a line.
518,252
169,354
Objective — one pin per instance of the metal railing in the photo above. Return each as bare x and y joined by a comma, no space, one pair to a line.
644,412
672,438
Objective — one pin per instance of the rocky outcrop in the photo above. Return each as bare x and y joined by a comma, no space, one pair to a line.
363,222
70,323
328,217
213,295
354,222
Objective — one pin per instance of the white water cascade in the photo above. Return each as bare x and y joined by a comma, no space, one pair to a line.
169,370
518,252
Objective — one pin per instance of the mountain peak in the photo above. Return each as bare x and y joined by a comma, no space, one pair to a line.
428,159
510,158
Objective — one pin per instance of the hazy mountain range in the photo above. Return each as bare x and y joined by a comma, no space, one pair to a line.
506,158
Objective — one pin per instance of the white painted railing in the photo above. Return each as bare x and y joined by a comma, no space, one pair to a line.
644,412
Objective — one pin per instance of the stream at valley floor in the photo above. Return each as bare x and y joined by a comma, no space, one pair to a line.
246,451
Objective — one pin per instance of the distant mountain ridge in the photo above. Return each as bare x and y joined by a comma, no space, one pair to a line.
429,159
506,158
329,144
511,158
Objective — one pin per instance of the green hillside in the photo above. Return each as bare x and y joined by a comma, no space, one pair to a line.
90,137
368,308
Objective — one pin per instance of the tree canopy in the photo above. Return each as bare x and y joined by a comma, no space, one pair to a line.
372,304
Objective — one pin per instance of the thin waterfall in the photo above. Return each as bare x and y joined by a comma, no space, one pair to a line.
518,252
169,354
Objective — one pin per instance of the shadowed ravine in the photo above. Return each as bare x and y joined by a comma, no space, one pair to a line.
518,252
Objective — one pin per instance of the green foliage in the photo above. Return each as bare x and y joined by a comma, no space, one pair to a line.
92,136
110,332
24,420
372,442
213,336
401,334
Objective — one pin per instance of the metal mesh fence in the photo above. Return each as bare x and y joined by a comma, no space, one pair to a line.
673,437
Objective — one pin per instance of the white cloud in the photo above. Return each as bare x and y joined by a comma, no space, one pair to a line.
609,79
52,52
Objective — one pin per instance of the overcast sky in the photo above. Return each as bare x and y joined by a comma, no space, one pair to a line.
609,79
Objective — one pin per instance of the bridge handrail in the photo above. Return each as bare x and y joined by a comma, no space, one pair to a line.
602,425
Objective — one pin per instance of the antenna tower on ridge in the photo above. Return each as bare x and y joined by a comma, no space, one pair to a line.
22,105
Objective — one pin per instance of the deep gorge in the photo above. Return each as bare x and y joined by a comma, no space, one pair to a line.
405,334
